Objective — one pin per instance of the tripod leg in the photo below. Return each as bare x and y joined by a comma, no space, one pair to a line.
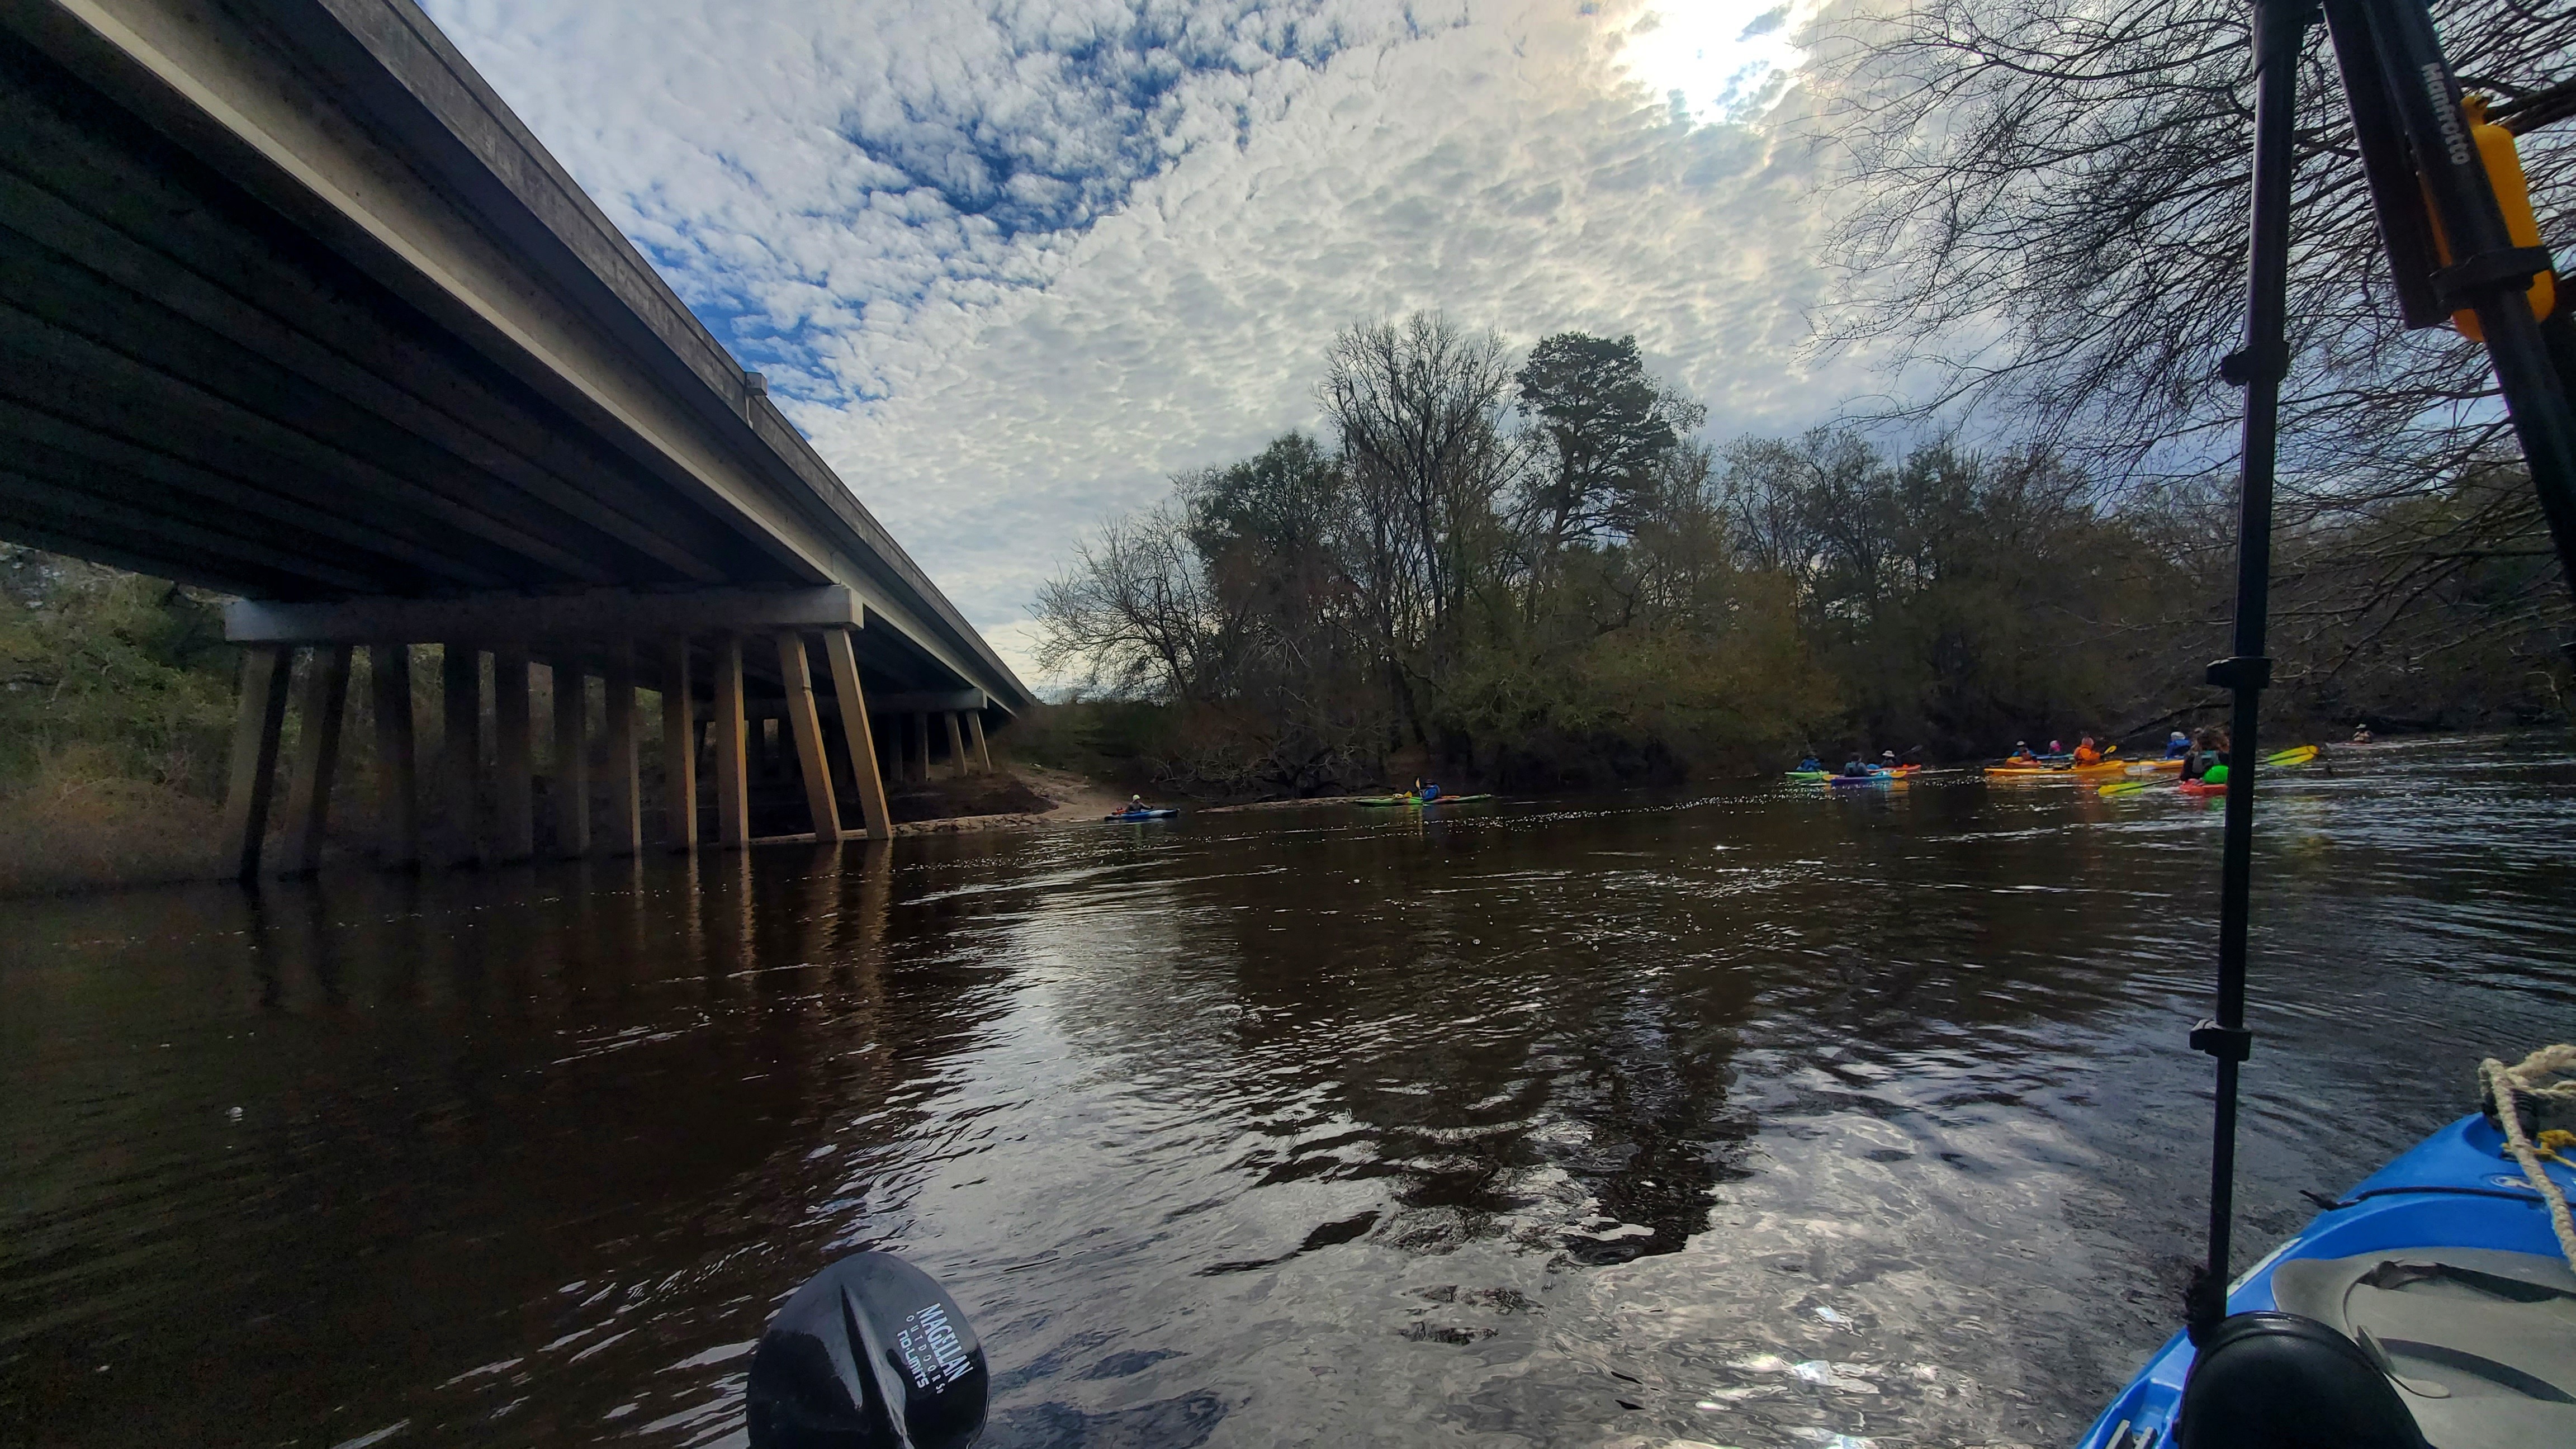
2280,28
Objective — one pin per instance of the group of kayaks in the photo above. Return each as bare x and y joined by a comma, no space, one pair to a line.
2140,776
2111,776
1874,775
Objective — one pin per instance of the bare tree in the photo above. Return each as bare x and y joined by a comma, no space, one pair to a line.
1416,406
2052,223
1135,613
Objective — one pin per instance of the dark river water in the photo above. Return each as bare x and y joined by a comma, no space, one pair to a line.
1758,1117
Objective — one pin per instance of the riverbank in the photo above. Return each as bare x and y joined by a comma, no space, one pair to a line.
68,832
1068,798
72,831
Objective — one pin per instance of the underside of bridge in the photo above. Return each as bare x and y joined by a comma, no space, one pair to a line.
293,307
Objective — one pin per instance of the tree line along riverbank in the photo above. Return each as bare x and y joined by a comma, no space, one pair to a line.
1532,570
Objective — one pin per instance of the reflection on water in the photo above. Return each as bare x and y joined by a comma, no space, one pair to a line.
1755,1118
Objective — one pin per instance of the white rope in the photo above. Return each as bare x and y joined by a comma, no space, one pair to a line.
2530,1078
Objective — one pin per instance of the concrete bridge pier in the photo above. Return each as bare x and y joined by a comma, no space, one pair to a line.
702,652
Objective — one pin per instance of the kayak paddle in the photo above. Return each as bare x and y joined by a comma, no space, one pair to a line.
870,1354
2294,755
2122,787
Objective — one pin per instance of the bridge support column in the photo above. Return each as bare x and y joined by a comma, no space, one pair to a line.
798,677
317,755
975,733
460,749
572,757
625,834
257,726
397,804
856,736
733,788
679,746
514,824
920,767
957,765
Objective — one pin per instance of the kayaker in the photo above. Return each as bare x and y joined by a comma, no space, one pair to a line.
1887,761
2361,733
2177,745
2086,754
1811,765
2057,749
2022,755
1425,792
2202,754
1856,768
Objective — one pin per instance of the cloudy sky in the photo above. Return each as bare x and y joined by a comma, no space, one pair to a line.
1011,264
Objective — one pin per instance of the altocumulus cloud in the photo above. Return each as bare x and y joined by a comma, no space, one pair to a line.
1011,265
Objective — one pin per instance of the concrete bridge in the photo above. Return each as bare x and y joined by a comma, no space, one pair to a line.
292,306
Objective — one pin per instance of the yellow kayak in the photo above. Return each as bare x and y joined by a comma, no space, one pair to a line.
2104,770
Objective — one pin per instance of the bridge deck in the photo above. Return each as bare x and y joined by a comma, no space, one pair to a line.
291,305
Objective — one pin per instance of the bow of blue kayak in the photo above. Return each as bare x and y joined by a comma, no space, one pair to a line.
2444,1266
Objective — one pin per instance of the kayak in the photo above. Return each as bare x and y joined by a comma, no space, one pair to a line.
1874,777
2439,1272
2294,755
2156,767
2057,772
1810,776
1156,814
1383,801
2201,787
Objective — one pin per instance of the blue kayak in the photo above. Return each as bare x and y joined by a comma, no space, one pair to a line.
1156,814
2443,1267
1876,776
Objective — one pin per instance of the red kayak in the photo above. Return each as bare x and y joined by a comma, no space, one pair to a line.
2198,787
